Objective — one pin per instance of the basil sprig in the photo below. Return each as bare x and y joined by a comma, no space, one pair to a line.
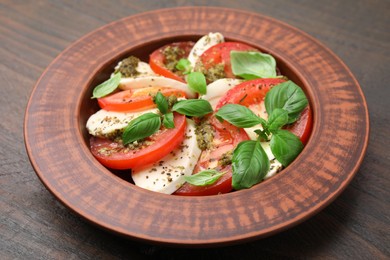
168,120
250,162
107,87
149,123
162,104
252,65
141,127
204,178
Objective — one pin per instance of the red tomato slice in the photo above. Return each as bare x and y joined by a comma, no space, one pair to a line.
135,99
220,53
249,92
116,156
157,60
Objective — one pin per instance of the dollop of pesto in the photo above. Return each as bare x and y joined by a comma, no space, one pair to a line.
226,158
172,56
213,73
128,67
204,135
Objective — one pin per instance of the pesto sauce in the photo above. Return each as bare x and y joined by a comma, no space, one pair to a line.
226,159
128,67
204,135
213,73
172,56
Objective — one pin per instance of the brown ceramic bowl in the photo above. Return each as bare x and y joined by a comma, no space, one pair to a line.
57,141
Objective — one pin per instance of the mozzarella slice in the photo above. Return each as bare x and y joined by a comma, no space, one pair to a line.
275,166
202,45
218,89
155,81
167,175
107,124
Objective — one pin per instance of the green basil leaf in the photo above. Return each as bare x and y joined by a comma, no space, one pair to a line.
250,164
141,127
161,102
288,96
184,65
252,65
277,119
107,87
197,82
204,178
193,107
285,146
238,115
168,120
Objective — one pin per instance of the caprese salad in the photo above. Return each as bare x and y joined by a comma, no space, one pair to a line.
200,118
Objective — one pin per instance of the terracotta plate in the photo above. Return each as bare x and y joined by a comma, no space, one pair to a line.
60,104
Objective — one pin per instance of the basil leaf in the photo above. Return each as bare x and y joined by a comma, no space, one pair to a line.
193,107
250,164
168,120
288,96
141,127
285,146
238,115
197,82
277,119
252,65
107,86
161,102
184,65
204,178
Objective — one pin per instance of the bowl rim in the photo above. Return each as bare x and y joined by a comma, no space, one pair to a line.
193,242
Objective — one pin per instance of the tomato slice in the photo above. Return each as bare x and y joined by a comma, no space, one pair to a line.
135,99
249,92
220,54
116,156
159,63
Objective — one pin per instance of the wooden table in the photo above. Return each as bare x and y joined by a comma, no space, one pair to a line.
34,225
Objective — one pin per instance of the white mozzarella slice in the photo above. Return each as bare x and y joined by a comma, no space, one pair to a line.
109,123
275,166
202,45
167,175
218,89
144,70
155,81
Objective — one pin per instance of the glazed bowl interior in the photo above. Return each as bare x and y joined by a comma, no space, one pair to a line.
89,106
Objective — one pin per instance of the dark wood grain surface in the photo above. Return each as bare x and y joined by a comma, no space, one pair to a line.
34,225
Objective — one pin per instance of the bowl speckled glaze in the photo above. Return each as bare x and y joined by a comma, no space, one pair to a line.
57,141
